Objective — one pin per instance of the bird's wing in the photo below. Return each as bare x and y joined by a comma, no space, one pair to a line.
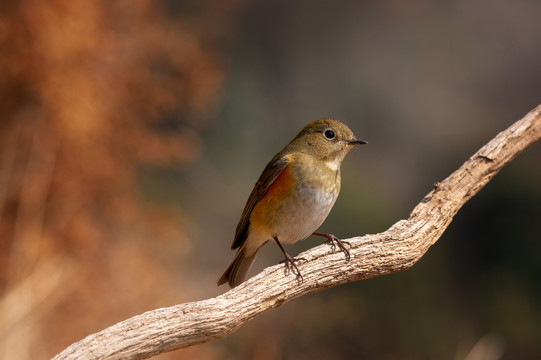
275,167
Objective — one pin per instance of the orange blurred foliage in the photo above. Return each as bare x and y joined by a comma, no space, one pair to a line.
90,91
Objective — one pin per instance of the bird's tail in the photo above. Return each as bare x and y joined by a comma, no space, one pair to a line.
237,271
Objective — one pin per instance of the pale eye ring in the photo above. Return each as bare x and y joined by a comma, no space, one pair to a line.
329,134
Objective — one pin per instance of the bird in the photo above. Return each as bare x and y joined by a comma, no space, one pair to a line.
293,196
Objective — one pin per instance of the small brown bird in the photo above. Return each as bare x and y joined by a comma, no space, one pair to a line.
293,195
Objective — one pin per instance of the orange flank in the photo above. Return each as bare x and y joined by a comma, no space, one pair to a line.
264,213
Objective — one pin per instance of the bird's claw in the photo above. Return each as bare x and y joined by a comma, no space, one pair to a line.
334,241
290,264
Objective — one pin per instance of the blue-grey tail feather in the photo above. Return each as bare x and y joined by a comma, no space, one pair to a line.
237,271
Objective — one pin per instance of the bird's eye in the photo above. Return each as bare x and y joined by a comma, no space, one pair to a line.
329,134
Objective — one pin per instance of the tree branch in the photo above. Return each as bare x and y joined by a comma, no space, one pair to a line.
394,250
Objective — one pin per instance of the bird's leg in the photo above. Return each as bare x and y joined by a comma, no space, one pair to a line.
289,261
333,240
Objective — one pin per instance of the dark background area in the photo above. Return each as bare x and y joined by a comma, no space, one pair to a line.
131,134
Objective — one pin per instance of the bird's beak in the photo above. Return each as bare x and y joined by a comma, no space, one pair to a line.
357,142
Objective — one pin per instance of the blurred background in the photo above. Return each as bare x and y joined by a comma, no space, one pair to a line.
132,132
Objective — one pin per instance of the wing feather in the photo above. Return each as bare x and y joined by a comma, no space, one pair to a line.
267,178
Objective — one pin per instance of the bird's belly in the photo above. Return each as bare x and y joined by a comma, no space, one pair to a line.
298,216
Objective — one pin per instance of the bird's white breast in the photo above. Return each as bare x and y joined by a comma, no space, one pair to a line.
304,217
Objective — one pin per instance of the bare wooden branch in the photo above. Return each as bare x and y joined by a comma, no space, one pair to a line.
396,249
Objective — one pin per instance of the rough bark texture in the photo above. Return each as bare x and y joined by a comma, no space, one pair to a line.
396,249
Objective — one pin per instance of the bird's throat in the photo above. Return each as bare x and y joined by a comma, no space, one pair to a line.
334,164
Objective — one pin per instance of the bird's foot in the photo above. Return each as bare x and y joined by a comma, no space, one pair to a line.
290,264
334,241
